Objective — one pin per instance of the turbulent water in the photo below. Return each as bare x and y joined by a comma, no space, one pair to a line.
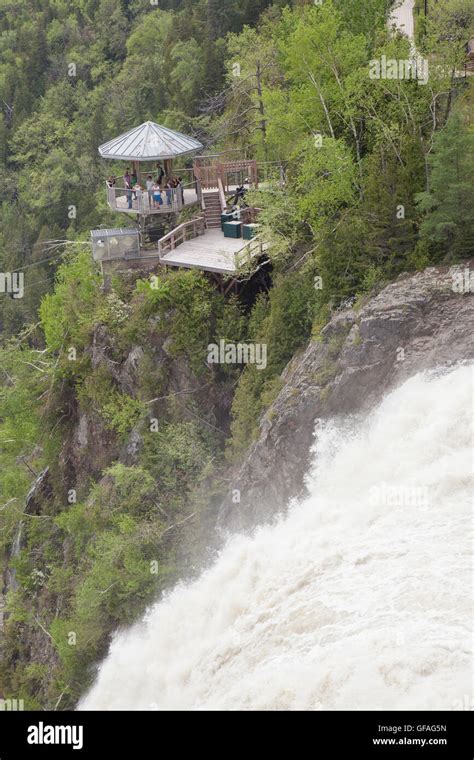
359,599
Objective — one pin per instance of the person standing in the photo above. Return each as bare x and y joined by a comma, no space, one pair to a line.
157,195
149,189
169,192
127,182
160,174
180,189
138,195
134,182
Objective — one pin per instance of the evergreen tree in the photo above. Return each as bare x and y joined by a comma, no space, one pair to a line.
449,206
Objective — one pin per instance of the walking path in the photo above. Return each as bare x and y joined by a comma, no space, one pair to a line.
402,18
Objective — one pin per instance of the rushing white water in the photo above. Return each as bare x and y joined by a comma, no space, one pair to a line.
359,599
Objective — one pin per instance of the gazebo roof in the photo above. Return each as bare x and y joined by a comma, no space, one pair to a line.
149,142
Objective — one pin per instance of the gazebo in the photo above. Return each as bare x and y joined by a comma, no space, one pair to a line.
146,143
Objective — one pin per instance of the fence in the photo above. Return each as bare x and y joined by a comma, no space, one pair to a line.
255,247
109,244
140,201
185,231
231,173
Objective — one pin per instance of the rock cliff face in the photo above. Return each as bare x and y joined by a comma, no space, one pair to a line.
92,447
418,322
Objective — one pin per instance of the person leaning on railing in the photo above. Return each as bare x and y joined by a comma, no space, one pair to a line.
110,182
169,192
157,199
138,194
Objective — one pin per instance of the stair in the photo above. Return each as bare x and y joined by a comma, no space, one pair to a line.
212,211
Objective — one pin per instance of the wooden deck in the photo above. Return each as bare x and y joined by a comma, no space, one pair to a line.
208,251
211,252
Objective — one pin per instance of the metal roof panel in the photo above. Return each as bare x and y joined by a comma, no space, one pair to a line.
149,142
118,232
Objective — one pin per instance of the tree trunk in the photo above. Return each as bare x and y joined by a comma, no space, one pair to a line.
261,108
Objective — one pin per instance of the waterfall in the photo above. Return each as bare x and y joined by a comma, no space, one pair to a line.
359,598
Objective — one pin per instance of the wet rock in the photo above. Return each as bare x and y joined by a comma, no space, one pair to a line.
130,369
419,322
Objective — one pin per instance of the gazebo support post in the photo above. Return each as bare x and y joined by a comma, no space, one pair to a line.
141,230
168,167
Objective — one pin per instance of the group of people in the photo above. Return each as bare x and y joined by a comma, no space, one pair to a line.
153,187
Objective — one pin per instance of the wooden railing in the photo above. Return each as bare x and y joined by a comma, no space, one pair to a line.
255,247
247,214
236,172
229,172
271,173
185,231
221,195
208,176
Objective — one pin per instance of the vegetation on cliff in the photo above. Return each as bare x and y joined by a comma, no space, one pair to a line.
112,392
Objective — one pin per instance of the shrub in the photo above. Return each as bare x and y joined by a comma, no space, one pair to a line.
122,412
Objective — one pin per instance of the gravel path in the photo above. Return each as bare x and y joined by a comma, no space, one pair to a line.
402,17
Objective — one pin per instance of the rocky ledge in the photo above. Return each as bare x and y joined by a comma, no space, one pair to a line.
418,322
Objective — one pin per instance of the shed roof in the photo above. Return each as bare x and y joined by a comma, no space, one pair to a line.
149,142
114,232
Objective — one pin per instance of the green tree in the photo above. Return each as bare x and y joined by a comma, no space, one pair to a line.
449,206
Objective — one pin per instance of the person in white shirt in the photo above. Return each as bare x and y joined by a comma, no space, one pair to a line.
149,189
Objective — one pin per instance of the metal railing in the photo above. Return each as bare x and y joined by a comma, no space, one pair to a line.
186,231
141,201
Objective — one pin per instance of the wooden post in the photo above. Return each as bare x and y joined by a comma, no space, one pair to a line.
169,167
